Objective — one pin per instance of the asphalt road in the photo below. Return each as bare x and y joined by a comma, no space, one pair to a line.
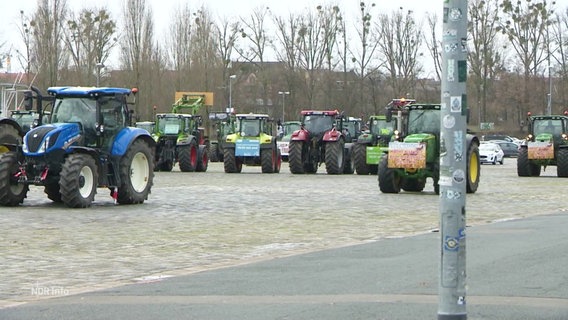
201,221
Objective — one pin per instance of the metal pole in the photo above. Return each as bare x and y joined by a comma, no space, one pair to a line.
231,92
100,65
453,168
283,94
549,105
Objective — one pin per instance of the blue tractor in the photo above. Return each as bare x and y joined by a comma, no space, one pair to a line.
88,143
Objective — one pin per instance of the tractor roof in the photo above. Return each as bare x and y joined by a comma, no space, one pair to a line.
174,115
86,91
316,112
252,116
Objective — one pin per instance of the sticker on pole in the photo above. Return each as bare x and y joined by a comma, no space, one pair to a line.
540,150
407,155
247,148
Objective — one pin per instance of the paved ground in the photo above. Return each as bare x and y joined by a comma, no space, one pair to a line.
199,221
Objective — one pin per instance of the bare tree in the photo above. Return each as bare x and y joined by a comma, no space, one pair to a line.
485,59
434,44
525,25
227,36
89,39
204,53
47,43
180,46
26,33
400,39
560,53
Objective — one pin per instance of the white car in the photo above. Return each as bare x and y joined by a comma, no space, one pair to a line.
490,152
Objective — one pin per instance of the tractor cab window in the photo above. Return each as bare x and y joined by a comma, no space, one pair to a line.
551,126
169,125
289,128
250,128
422,121
318,123
382,127
74,110
112,113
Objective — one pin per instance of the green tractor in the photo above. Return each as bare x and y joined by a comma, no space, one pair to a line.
224,124
284,135
177,142
546,145
253,144
414,156
373,142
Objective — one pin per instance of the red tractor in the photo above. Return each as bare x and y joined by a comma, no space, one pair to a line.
319,140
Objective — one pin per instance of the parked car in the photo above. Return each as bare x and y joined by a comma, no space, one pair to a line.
503,137
490,152
510,149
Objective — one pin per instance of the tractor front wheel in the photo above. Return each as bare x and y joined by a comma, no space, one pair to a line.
202,159
268,160
389,181
297,155
562,162
334,157
52,191
78,180
8,135
12,193
187,156
136,174
230,161
360,159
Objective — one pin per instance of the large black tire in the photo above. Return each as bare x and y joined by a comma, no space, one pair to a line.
167,165
562,162
268,160
230,161
213,153
297,155
525,167
278,161
187,156
389,181
360,159
334,157
349,167
78,180
136,173
473,168
202,159
8,135
52,191
413,185
12,193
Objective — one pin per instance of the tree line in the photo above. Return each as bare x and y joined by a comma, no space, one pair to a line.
322,58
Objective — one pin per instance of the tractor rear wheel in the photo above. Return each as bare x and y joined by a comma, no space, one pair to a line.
202,159
78,180
52,191
562,162
473,168
8,135
389,181
523,163
167,165
360,159
334,157
136,173
297,155
187,156
278,161
349,167
12,193
268,160
213,157
230,162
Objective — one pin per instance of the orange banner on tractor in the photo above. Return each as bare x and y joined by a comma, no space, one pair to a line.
540,150
407,155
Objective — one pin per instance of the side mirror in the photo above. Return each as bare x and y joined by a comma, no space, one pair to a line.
389,116
28,100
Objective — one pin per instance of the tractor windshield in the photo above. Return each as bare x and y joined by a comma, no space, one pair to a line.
169,125
250,127
382,127
74,110
317,124
550,126
422,121
289,128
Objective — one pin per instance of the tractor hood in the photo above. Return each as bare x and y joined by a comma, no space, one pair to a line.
420,137
45,138
544,137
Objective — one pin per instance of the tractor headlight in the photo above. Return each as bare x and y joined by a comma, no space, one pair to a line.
564,136
44,145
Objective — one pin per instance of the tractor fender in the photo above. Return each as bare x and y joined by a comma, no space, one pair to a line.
126,137
187,141
300,135
13,123
332,135
470,138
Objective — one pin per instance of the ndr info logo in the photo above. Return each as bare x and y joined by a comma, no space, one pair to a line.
38,290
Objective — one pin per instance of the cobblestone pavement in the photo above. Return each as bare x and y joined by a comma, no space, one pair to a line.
198,221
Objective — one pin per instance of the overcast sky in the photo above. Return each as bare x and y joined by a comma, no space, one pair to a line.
163,10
